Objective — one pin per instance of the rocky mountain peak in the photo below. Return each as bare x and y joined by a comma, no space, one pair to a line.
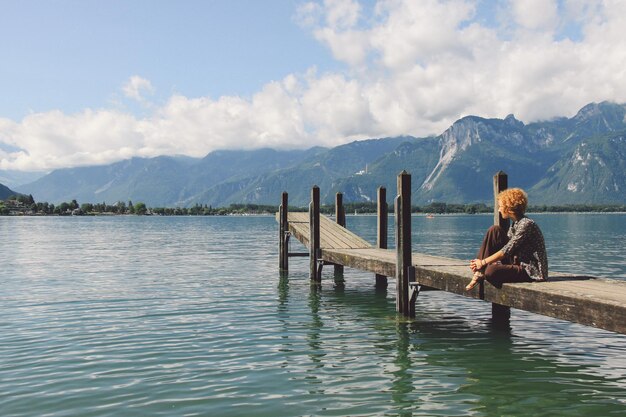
510,120
609,113
587,112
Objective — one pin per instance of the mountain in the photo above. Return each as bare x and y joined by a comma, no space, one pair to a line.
564,161
581,159
135,178
450,166
14,179
323,169
595,170
6,192
227,167
160,181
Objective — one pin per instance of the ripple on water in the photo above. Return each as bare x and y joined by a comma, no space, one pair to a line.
180,316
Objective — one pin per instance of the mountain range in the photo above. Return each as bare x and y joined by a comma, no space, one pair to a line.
6,192
577,160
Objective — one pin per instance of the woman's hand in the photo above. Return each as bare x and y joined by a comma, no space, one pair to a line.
476,264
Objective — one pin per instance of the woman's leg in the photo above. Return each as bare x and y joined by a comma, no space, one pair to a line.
494,240
497,274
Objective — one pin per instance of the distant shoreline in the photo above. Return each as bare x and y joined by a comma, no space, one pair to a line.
272,214
26,206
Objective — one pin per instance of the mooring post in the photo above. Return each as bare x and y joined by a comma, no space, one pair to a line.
500,183
314,239
340,218
403,243
381,227
283,238
500,314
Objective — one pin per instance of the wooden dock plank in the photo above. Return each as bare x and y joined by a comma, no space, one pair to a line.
586,300
379,261
332,235
339,236
299,226
330,238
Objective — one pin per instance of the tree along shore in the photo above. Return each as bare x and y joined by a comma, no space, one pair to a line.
26,206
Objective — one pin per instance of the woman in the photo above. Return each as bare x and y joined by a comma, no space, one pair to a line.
519,256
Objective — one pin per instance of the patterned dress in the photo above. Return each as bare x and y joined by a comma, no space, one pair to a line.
527,244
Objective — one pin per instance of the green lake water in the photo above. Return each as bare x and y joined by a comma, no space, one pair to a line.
188,316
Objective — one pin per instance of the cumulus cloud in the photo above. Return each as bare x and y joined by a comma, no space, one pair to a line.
411,68
536,14
55,140
136,87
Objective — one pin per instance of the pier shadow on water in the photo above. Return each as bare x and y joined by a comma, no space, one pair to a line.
443,363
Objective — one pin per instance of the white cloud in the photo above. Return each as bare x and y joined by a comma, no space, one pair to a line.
536,14
342,13
136,87
414,33
412,68
348,46
54,140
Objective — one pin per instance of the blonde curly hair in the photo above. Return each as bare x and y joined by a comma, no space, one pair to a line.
513,200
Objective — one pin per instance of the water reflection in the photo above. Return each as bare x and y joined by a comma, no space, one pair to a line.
444,363
314,328
402,384
339,279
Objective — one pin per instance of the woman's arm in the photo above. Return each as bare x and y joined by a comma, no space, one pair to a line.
522,237
478,264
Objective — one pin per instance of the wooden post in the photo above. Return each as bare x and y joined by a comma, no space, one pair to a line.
283,247
500,315
500,183
340,212
314,225
403,243
381,226
340,218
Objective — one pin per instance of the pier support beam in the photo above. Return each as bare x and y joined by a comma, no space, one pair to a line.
404,260
500,314
283,234
381,226
340,218
314,241
500,183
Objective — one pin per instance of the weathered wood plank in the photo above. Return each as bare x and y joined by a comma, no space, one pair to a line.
380,261
590,301
500,314
381,230
332,235
342,234
300,231
403,243
314,238
283,249
340,219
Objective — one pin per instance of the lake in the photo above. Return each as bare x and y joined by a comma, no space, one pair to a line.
188,316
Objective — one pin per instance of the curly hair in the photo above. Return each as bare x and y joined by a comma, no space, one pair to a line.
513,200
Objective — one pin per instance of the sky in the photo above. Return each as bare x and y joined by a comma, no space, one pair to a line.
90,82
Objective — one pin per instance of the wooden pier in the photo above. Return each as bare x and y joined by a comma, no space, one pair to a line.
596,302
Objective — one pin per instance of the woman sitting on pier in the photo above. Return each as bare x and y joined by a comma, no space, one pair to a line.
519,256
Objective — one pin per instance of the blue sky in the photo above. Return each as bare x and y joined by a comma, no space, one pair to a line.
87,82
71,55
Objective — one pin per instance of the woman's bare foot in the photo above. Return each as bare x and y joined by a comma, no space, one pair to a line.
478,277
